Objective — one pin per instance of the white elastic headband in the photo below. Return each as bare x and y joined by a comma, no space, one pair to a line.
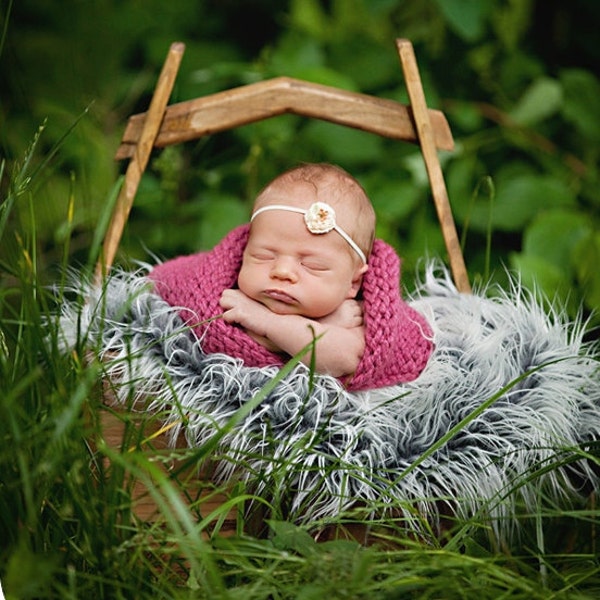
319,218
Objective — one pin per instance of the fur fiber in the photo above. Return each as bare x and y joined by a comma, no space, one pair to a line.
520,376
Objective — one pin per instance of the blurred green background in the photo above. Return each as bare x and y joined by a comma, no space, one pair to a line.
518,80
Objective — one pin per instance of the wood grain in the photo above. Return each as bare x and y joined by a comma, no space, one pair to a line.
232,108
425,131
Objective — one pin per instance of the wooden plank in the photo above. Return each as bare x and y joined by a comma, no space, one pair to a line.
232,108
198,484
432,164
139,158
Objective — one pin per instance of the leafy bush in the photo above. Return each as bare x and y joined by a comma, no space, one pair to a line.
521,106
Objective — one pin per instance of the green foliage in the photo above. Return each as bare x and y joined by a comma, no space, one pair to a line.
530,124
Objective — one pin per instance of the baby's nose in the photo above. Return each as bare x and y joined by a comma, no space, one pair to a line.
284,268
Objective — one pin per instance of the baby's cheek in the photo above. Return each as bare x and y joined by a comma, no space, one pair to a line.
243,281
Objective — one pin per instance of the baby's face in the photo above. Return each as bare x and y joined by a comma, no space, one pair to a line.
292,271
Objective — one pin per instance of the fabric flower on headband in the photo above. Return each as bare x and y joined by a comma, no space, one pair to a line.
320,218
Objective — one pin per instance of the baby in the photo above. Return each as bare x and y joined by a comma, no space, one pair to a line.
311,233
305,268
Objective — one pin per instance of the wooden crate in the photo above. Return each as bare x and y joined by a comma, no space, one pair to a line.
126,431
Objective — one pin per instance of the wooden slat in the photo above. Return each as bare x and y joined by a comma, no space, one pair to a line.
438,186
257,101
149,129
198,484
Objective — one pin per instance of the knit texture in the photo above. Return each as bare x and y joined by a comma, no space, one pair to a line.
397,337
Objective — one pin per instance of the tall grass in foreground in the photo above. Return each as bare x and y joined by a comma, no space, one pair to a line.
68,527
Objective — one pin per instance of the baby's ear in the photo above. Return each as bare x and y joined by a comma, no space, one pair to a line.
357,280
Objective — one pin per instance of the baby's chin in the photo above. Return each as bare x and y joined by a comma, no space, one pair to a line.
281,308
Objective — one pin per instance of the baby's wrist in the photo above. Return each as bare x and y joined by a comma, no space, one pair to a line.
263,316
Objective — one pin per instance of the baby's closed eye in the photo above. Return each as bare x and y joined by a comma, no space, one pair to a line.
262,255
314,265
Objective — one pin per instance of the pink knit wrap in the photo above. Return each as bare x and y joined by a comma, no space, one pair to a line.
397,337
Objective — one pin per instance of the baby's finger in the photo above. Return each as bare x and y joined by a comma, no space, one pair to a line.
228,316
227,299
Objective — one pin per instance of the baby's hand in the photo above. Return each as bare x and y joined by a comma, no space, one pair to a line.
240,309
250,314
348,314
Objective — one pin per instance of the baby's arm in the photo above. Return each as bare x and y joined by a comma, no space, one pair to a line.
338,351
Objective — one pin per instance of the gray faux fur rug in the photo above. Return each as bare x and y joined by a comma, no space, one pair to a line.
524,381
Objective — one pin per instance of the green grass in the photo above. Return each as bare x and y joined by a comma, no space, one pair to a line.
68,527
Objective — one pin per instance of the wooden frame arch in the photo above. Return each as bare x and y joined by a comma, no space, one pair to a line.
164,125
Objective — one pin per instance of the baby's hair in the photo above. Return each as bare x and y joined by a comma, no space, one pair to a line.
338,188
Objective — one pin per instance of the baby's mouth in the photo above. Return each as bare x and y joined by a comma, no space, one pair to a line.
280,296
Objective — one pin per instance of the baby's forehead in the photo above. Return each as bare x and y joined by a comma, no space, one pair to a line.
286,231
347,206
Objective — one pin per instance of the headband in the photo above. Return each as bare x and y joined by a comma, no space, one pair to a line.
319,218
